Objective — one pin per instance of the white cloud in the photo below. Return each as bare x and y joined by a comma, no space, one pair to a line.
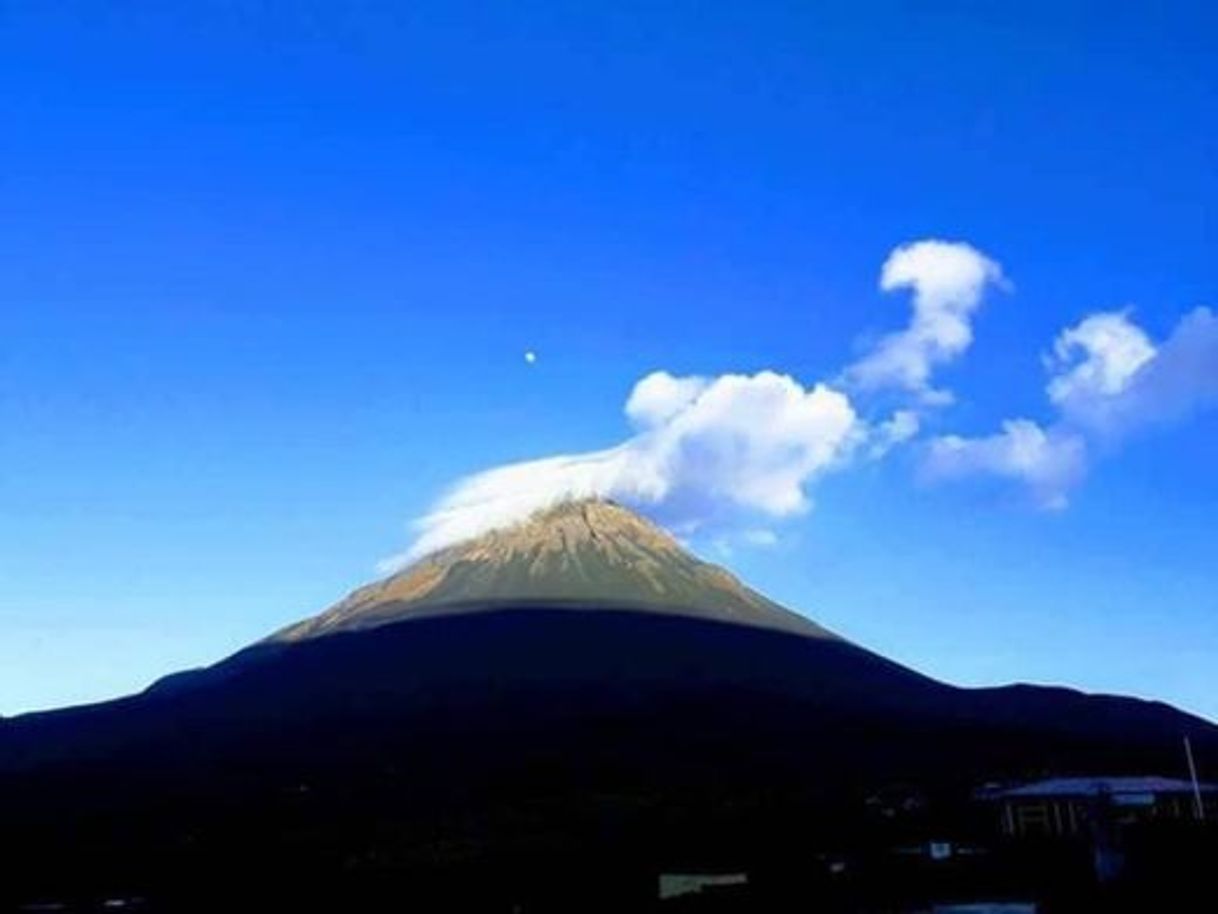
1108,380
948,280
709,455
504,495
660,396
1123,383
900,427
1095,361
760,537
1183,378
1049,461
707,450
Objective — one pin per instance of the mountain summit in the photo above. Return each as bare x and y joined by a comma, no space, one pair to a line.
581,555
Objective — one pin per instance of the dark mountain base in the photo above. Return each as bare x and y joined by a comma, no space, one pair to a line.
542,759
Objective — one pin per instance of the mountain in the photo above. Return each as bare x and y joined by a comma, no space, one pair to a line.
578,554
552,711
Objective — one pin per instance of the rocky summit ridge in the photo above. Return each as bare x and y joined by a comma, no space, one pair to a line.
584,554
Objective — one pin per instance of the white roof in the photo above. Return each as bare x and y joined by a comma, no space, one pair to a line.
1098,786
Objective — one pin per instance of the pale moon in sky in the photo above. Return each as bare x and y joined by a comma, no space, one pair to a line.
530,356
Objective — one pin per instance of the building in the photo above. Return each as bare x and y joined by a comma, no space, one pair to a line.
1065,807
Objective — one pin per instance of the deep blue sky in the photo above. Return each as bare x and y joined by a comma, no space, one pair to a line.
269,270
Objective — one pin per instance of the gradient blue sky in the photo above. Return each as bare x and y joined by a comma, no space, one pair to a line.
269,272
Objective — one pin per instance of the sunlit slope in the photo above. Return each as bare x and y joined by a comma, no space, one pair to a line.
584,554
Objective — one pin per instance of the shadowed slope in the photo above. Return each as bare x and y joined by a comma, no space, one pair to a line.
526,739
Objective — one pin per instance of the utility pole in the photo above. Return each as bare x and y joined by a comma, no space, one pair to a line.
1198,805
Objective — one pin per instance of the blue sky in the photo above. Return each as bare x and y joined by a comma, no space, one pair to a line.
270,271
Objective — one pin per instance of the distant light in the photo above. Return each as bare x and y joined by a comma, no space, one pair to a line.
530,356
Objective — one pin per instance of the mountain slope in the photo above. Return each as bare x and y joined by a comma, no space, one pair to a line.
577,554
522,741
442,729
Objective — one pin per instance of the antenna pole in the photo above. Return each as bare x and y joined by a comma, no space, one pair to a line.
1192,773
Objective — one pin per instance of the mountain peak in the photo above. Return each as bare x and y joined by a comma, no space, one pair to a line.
584,554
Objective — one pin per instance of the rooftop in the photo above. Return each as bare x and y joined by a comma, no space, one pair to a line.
1097,786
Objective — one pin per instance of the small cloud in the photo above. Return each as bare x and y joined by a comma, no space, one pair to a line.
948,280
760,537
530,356
1108,379
900,427
1048,461
1095,361
1112,380
725,545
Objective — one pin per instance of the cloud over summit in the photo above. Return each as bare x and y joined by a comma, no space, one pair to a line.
705,448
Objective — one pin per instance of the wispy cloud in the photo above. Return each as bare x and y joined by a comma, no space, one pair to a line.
1107,380
902,426
1111,379
1094,362
1048,461
948,280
